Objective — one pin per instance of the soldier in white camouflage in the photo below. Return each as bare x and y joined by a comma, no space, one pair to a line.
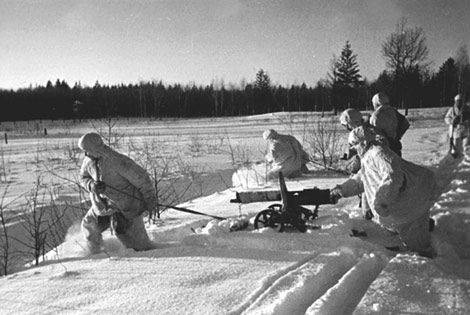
458,119
120,192
352,118
388,122
285,154
399,192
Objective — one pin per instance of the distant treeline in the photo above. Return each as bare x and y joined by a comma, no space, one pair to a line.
155,99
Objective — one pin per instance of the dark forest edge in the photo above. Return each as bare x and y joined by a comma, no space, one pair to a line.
157,100
408,81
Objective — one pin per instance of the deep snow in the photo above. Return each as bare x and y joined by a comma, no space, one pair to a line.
214,271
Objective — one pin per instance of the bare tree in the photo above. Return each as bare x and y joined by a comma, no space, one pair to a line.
3,167
323,143
107,129
405,49
5,250
57,222
165,172
406,52
34,223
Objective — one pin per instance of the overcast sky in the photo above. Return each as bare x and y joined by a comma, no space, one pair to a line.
204,40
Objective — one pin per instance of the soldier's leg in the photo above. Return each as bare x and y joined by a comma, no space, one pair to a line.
465,146
132,233
368,215
92,227
458,146
417,237
465,143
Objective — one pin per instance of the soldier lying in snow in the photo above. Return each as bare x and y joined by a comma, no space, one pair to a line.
120,191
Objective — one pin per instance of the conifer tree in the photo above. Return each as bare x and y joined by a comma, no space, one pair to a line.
346,68
263,82
262,92
346,79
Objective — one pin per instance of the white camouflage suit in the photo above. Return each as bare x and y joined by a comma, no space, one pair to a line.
399,192
352,118
457,117
285,154
129,192
388,122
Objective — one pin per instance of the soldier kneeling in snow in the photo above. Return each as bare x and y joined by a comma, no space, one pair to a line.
398,191
120,191
285,154
351,119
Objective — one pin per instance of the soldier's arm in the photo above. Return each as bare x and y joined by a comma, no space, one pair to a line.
140,179
85,177
449,117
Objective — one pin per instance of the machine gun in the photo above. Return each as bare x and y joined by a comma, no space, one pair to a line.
290,211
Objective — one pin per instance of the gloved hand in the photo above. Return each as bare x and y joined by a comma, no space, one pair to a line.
354,165
456,120
335,194
98,187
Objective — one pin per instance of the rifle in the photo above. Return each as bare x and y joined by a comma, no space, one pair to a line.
452,148
139,199
291,210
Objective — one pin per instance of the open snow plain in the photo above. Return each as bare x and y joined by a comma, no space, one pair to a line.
214,271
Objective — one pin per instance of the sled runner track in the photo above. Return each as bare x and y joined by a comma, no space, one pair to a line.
328,283
269,281
343,297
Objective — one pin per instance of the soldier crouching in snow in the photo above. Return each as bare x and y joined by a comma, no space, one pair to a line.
285,154
398,191
351,119
120,192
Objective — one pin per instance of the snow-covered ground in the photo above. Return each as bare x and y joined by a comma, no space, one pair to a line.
200,267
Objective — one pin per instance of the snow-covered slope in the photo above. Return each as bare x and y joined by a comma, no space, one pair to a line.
411,284
214,271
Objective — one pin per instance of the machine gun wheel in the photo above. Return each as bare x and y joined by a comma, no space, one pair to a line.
269,218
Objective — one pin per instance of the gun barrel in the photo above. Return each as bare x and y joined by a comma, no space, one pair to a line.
313,196
256,196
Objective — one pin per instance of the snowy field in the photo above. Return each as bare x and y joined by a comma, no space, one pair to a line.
199,267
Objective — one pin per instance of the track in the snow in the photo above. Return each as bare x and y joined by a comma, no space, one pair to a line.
323,283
